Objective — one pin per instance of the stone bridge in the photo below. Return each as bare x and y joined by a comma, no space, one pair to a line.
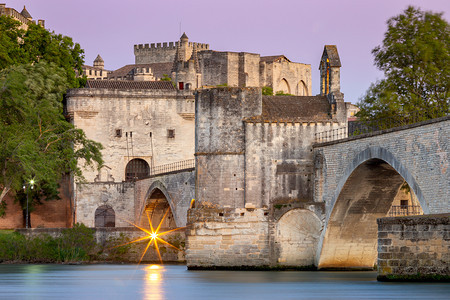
358,177
171,185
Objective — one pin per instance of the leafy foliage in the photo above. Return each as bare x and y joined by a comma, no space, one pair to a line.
35,139
18,46
267,91
166,78
73,244
281,93
36,68
415,58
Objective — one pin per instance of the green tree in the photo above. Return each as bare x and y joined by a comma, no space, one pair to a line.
25,47
267,91
415,59
35,139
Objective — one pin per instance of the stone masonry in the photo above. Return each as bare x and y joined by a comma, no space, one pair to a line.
349,180
414,248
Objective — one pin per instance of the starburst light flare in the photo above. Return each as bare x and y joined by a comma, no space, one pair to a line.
153,236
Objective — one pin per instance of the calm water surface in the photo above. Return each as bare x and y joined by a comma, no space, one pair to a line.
175,282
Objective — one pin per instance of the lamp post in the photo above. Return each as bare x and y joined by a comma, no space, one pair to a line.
25,188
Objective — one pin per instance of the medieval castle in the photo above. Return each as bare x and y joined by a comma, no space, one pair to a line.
186,129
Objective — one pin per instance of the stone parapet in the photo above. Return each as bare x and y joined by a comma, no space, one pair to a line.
227,238
414,248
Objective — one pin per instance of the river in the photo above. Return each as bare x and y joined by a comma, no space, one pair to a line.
176,282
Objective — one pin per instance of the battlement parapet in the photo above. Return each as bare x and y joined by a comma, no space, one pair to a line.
168,45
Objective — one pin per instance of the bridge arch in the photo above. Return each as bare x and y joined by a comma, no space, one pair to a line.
364,193
157,203
296,236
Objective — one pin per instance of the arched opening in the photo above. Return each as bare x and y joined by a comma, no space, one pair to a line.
156,207
302,89
369,193
284,87
136,169
105,216
297,235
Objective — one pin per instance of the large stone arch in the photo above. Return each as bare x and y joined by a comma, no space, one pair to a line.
362,195
159,190
296,235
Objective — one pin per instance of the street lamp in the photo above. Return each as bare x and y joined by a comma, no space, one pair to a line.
31,185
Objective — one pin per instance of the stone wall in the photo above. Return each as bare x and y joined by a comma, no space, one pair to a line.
297,75
279,161
220,143
108,116
117,236
414,248
227,238
162,52
119,196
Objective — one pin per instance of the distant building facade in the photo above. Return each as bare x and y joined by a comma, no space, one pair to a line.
24,17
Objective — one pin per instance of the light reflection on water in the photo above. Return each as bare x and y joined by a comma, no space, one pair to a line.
153,282
175,282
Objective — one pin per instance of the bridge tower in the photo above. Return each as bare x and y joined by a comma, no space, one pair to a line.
330,81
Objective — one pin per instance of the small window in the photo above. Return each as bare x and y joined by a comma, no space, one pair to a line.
171,133
181,85
90,72
105,217
403,203
118,132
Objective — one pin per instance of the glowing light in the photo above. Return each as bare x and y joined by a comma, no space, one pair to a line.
154,236
154,267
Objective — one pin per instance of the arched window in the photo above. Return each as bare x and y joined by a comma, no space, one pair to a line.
284,87
105,216
136,169
302,89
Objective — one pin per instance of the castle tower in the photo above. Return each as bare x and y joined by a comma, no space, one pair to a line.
99,62
26,14
186,71
330,82
329,67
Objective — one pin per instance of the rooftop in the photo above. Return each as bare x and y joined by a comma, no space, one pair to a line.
294,109
129,85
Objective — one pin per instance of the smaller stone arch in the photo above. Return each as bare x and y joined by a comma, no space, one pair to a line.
284,87
136,169
105,216
158,190
297,235
302,89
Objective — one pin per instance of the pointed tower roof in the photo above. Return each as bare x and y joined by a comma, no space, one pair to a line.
184,36
25,13
99,59
330,52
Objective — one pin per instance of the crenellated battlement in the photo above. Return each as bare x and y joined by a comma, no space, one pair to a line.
164,52
168,45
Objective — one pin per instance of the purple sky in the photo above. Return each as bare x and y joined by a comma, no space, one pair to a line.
296,28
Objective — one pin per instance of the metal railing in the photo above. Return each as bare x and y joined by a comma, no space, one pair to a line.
331,135
173,167
367,126
405,210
